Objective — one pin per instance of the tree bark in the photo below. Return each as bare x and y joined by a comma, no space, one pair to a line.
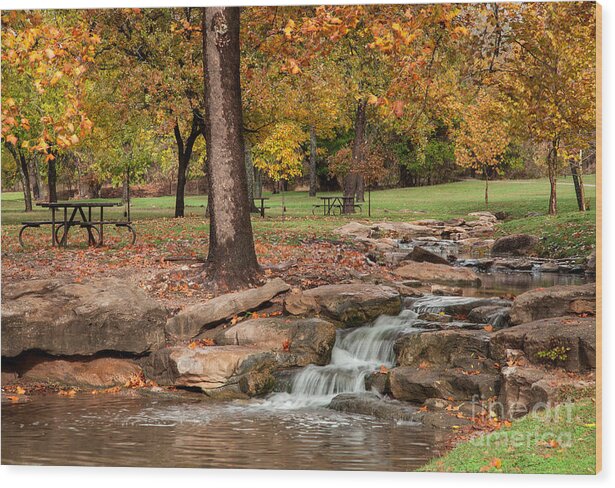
312,161
353,183
184,152
258,183
231,262
36,190
52,180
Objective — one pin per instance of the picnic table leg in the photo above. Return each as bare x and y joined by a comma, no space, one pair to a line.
64,240
53,227
101,227
91,240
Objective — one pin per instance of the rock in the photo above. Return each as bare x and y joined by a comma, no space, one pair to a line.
435,317
554,301
526,389
515,264
566,342
310,340
350,304
446,348
371,404
63,318
502,215
191,321
99,372
590,263
422,255
417,385
8,377
516,397
455,305
486,216
442,420
495,315
438,273
443,290
549,268
354,229
514,244
233,371
377,382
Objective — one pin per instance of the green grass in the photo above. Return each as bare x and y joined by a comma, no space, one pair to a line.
549,442
569,234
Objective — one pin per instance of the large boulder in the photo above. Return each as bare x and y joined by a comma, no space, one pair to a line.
442,348
418,384
194,319
310,340
99,372
566,342
422,255
350,304
515,245
63,318
554,301
232,371
354,229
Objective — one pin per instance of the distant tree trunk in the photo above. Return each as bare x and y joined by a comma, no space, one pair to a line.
250,176
39,179
231,262
258,183
36,191
184,152
312,161
486,170
52,180
24,174
577,178
552,170
353,184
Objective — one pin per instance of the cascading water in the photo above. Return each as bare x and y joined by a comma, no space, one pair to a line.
355,354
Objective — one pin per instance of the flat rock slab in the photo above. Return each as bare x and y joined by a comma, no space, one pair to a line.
193,320
100,372
62,318
207,368
310,340
554,301
350,304
438,273
571,340
371,404
514,245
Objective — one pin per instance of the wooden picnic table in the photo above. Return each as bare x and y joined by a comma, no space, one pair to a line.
261,208
334,205
78,217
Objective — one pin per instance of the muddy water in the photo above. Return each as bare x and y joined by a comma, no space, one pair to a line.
121,430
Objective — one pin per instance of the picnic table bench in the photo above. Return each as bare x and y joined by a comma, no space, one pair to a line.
335,205
61,225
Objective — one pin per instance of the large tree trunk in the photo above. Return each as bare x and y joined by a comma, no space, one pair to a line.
52,180
353,183
231,262
184,152
312,161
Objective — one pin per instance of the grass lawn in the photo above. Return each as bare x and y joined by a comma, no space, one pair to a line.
569,234
549,442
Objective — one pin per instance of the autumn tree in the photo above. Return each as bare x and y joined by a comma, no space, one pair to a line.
550,76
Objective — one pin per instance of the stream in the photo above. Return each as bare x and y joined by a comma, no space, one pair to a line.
286,430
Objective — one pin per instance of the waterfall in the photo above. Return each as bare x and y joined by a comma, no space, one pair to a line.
356,354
